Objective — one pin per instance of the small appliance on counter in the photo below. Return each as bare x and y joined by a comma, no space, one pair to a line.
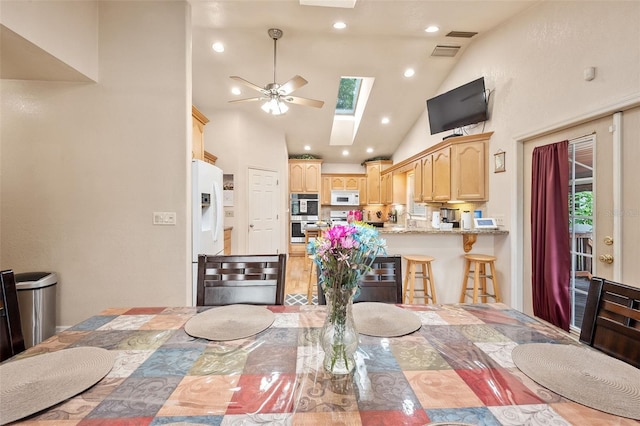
450,216
466,220
435,220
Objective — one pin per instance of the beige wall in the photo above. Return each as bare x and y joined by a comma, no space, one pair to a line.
240,144
534,66
84,165
66,30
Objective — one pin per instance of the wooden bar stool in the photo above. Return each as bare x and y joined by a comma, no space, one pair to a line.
410,278
312,283
479,275
308,235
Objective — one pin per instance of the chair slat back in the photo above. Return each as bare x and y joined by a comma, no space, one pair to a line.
611,320
247,279
11,338
383,283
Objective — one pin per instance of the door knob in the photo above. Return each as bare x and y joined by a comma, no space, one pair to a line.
608,240
251,226
606,258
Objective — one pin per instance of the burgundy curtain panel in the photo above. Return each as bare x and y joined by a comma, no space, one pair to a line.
550,244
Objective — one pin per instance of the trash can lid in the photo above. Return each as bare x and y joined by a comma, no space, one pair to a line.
33,280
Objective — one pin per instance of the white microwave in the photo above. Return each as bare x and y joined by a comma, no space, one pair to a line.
345,198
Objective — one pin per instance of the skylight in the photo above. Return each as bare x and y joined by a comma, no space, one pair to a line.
348,94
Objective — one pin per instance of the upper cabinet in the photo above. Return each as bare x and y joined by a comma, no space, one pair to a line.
455,169
198,121
374,184
304,176
469,171
352,182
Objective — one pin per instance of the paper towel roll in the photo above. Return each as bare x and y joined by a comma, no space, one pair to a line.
466,220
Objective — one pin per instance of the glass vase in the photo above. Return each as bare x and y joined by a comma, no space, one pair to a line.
339,337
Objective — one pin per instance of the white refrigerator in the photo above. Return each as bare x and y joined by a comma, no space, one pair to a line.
207,223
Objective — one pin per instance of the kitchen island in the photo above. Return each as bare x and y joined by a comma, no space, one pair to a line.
448,248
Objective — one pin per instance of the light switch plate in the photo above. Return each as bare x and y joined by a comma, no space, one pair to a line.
164,218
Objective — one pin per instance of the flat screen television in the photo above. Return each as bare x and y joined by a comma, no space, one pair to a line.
458,107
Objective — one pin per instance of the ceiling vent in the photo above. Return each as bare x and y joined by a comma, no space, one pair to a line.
461,34
446,51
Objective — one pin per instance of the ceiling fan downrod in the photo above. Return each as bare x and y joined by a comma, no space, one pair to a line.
275,34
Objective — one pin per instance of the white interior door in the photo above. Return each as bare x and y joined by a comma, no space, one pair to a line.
263,237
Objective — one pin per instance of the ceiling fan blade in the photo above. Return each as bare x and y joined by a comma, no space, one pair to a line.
291,85
248,83
303,101
247,100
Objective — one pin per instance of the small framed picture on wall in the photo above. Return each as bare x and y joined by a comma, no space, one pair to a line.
498,163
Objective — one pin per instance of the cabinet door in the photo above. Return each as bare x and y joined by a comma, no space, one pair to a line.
351,183
427,178
312,178
362,187
418,187
373,184
337,182
296,177
469,169
442,174
325,196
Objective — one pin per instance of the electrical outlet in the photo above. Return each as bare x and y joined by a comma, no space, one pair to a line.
499,219
228,213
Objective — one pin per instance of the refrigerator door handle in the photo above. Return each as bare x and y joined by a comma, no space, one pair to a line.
219,211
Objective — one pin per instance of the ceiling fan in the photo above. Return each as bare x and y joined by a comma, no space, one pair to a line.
275,95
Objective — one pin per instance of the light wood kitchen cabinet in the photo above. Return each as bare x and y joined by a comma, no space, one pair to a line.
198,121
418,169
441,175
351,182
304,176
210,158
374,175
227,241
469,171
362,189
325,193
393,189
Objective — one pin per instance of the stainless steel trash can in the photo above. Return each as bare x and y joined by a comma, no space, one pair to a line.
37,303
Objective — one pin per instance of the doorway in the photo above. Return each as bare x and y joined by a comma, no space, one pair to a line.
584,248
264,199
581,201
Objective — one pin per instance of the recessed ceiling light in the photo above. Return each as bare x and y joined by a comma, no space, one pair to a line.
369,150
409,72
432,29
345,152
218,47
385,120
307,148
339,25
235,91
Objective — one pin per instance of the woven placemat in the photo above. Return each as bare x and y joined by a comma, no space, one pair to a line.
230,322
384,320
29,385
583,375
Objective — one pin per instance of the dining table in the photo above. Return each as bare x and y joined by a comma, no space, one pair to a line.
455,369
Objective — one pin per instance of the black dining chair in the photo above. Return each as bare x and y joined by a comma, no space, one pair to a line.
383,282
248,279
11,338
611,321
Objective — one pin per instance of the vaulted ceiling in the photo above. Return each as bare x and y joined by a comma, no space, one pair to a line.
381,40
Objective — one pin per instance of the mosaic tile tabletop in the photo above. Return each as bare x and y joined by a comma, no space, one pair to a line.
456,368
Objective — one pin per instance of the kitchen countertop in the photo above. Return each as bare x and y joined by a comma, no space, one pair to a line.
398,229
